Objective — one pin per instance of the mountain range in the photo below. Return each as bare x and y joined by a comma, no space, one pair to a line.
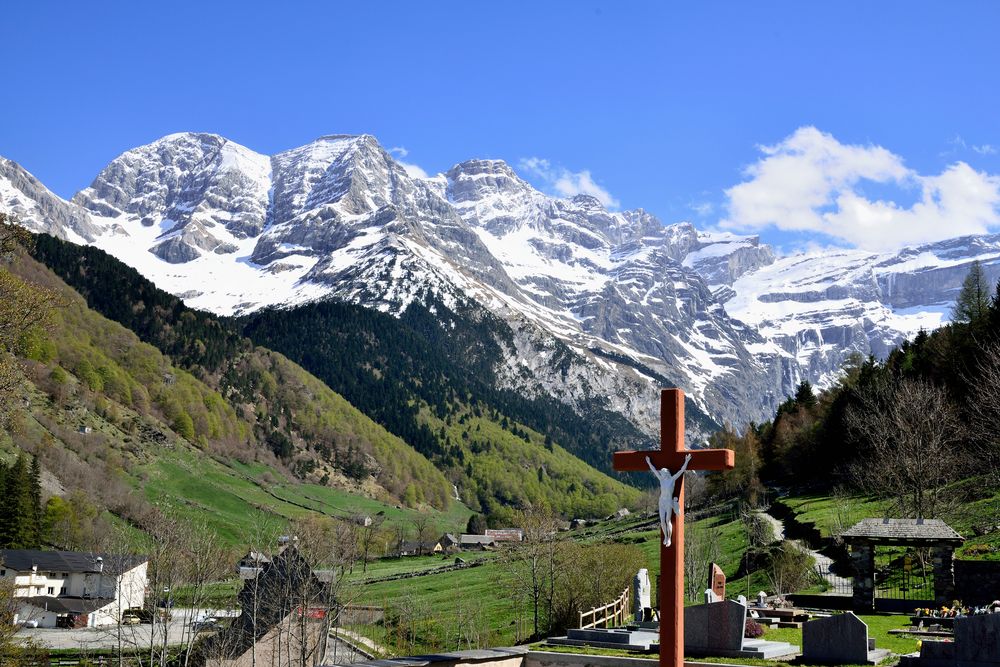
594,307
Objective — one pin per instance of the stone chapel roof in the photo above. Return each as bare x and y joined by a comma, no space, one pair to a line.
907,530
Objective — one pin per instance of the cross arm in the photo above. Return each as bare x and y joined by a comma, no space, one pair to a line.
701,459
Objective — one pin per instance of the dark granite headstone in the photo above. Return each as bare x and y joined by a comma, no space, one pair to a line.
718,626
977,639
840,639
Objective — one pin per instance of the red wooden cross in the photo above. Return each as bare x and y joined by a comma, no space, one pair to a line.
671,456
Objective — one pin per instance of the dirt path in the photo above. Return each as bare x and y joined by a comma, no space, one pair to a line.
823,562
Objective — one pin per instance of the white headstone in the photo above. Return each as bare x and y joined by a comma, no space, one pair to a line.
762,599
742,599
642,589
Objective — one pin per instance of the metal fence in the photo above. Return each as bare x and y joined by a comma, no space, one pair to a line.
903,575
833,583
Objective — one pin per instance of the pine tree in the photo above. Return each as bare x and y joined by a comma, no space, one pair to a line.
804,394
973,303
17,529
35,491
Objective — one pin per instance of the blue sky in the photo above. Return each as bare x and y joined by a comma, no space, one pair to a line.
889,108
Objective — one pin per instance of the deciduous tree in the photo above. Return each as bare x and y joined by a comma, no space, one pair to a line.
912,437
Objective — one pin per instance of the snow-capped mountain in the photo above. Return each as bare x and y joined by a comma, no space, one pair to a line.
636,303
820,307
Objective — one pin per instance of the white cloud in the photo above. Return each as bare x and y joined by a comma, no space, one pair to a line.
702,209
411,169
959,144
566,183
810,182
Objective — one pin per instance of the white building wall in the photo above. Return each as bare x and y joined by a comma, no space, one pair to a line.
128,591
26,612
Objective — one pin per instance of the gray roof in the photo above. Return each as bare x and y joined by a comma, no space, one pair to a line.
917,530
67,605
22,560
477,539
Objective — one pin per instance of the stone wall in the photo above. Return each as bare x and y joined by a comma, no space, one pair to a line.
863,560
977,582
515,656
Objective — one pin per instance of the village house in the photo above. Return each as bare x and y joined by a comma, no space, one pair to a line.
250,565
449,543
505,534
73,589
414,548
476,542
284,618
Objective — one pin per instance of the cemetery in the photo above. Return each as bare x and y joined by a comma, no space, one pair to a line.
654,618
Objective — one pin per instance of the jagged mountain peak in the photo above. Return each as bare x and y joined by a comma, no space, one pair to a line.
640,303
588,202
476,180
28,200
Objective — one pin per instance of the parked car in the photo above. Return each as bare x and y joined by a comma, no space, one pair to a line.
29,623
204,624
130,619
144,614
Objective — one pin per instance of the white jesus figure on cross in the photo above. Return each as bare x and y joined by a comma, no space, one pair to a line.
668,503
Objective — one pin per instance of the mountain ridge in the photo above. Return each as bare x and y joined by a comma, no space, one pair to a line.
234,231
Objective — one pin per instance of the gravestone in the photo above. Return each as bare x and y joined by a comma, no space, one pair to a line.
761,599
718,629
714,629
641,599
711,597
840,639
977,639
977,644
717,581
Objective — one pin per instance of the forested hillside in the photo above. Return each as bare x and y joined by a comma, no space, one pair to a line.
239,401
442,357
920,430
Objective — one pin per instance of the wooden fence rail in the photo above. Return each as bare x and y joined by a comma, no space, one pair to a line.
615,612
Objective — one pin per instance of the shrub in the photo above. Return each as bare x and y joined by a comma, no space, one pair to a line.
753,630
183,426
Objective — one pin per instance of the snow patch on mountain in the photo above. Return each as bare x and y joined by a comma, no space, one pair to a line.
626,303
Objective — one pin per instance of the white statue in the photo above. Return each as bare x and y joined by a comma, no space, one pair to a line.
642,600
668,503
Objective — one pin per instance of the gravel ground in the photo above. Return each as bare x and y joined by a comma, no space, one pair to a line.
107,637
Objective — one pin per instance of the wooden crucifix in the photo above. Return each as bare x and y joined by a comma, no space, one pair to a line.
673,456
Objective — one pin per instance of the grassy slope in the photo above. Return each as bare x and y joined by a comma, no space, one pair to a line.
832,515
522,473
115,364
389,365
132,444
232,498
434,596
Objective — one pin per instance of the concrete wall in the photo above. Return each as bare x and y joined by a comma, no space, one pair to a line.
26,612
514,656
549,659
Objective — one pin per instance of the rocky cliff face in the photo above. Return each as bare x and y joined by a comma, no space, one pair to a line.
600,305
23,196
819,308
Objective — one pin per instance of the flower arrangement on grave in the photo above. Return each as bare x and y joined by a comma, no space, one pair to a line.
753,629
953,611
